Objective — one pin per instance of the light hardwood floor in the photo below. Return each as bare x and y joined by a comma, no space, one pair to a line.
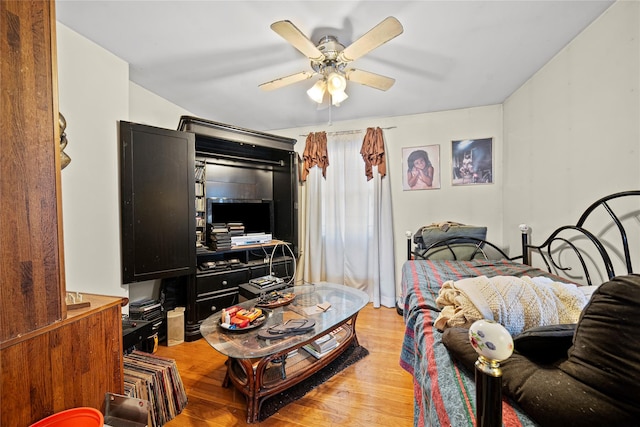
375,391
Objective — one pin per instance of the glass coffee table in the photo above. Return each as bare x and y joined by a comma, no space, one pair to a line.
260,368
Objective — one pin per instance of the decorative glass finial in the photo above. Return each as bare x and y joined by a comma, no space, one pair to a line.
491,340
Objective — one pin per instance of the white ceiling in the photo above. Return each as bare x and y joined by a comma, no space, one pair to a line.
210,56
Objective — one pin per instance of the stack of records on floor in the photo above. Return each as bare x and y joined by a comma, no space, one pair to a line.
219,237
157,380
236,228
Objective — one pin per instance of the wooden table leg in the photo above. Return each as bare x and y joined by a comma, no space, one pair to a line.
227,380
251,388
253,405
252,411
353,329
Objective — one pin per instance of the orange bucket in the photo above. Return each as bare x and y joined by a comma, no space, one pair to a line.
75,417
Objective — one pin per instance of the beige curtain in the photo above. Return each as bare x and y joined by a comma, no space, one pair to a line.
315,154
348,225
373,152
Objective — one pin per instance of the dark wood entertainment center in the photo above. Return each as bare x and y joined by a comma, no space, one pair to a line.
225,164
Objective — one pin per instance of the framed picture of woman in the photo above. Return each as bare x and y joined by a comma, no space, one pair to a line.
472,161
421,167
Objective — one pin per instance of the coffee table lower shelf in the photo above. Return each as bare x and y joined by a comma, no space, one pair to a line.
259,379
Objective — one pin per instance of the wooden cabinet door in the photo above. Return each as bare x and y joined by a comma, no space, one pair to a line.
157,177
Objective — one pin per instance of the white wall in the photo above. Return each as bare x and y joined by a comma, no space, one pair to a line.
474,204
94,94
572,132
150,109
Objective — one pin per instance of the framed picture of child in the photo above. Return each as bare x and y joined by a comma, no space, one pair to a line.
472,161
421,167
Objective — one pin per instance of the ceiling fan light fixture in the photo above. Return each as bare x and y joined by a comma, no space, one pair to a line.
329,59
336,82
317,91
337,97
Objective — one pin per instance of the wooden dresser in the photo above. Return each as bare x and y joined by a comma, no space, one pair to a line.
50,359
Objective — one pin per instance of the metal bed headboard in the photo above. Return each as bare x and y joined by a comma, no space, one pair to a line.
475,248
548,250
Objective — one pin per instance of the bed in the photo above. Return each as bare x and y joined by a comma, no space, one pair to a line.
444,387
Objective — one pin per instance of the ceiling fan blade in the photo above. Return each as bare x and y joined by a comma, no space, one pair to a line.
285,81
377,36
370,79
297,39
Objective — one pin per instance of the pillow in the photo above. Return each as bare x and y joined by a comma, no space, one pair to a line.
545,344
606,348
457,342
430,234
462,249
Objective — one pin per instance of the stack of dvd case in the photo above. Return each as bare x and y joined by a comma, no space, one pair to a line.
149,310
219,237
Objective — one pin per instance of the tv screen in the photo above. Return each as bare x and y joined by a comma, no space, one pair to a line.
255,215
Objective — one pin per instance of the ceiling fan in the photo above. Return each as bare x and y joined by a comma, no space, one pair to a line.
329,59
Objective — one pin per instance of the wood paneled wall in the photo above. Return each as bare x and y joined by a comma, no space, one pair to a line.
32,282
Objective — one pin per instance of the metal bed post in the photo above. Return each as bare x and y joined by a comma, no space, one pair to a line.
524,230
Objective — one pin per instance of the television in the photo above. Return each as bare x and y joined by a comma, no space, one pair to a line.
255,214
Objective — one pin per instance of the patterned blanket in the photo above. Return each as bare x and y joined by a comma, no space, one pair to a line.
517,303
444,393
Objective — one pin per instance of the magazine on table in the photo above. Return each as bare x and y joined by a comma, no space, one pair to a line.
324,344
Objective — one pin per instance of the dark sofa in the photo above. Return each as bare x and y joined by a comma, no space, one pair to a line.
596,383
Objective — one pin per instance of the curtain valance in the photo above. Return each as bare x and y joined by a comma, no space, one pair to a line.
373,152
315,153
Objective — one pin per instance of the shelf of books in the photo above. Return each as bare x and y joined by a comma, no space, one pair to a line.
157,380
201,218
